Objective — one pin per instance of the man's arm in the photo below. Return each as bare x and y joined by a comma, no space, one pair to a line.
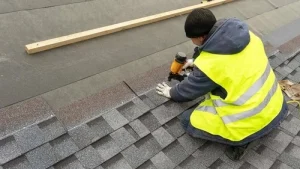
195,85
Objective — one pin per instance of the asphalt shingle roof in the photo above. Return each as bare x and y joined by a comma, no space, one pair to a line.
129,126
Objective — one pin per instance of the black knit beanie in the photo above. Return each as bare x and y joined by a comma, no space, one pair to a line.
199,22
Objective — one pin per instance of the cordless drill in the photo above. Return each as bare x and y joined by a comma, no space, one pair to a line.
176,67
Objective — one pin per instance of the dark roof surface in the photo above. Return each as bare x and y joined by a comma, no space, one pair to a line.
127,125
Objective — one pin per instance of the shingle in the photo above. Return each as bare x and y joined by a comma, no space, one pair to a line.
162,137
247,165
258,161
162,114
296,140
232,164
89,157
291,124
63,146
156,98
42,157
69,163
30,138
290,156
9,149
176,152
82,135
266,152
209,153
191,163
123,138
282,71
147,101
117,162
115,119
18,163
132,132
148,147
174,128
106,147
161,161
219,164
133,109
274,61
51,128
189,143
139,128
99,167
100,127
150,121
133,157
277,140
279,165
293,64
147,165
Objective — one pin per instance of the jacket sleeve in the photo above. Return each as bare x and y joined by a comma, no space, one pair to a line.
195,85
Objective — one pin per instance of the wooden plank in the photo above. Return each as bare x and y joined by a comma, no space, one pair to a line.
81,36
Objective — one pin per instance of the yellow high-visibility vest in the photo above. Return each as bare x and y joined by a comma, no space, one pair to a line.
254,97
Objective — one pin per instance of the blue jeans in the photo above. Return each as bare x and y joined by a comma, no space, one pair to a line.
197,133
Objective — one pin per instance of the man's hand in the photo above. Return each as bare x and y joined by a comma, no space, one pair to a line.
163,89
189,63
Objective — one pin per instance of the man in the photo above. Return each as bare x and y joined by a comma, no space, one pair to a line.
243,99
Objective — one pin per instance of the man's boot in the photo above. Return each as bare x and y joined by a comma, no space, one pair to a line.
236,153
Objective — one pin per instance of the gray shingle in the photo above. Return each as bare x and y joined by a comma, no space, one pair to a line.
100,127
293,64
139,128
162,137
296,140
279,165
42,157
277,140
174,127
99,167
51,128
133,157
132,132
117,162
123,138
293,150
219,164
290,160
155,98
189,143
191,163
18,163
247,165
69,163
147,165
9,149
30,138
232,164
274,61
162,114
258,161
89,157
133,109
63,146
291,124
150,121
161,161
147,101
83,135
282,71
266,152
148,147
106,147
209,153
176,152
115,119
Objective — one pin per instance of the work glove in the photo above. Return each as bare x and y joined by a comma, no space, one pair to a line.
163,89
189,63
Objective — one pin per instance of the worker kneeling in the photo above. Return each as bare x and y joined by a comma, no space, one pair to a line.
243,98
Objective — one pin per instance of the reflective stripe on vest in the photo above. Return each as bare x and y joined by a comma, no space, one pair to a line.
246,114
250,92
